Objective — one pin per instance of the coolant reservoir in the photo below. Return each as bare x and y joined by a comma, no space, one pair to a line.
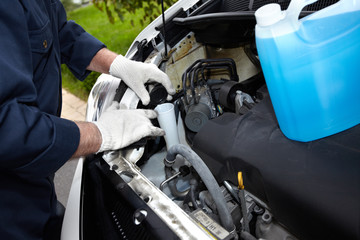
311,67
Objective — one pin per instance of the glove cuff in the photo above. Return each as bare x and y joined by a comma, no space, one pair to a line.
117,66
106,136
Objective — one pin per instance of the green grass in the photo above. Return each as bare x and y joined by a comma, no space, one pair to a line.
117,37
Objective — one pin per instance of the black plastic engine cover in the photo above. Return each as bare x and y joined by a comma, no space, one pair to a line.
312,188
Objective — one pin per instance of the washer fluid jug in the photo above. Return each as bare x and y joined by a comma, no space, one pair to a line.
311,66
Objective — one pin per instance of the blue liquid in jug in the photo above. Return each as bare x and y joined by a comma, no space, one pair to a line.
313,76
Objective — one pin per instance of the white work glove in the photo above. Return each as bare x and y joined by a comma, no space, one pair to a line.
136,74
120,128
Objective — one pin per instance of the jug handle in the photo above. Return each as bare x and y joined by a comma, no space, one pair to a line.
294,10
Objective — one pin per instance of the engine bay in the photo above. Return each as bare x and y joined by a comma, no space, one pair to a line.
233,174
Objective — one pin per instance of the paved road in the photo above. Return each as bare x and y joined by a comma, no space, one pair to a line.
73,109
63,180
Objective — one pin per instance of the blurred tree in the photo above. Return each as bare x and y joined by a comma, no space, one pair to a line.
69,5
151,8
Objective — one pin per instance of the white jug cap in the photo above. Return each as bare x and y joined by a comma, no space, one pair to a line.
268,15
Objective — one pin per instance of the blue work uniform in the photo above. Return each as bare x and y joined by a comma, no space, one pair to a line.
35,38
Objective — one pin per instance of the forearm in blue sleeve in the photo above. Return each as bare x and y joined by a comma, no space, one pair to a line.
34,144
77,46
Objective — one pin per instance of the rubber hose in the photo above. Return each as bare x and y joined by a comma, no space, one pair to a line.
172,185
192,194
247,236
208,179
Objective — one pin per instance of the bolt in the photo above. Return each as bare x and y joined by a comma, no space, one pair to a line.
139,216
114,167
258,210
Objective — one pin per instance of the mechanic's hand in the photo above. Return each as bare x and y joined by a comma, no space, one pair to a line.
120,128
136,74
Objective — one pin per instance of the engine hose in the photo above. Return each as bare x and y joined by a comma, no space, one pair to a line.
172,185
208,179
247,236
192,194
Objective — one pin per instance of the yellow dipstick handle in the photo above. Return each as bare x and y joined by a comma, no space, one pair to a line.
240,181
244,210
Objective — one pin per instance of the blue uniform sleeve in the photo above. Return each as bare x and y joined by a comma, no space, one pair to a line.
32,143
77,46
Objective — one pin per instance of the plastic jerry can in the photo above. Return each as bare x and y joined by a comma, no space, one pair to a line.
311,66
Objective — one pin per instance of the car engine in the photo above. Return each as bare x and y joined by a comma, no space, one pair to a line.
233,172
